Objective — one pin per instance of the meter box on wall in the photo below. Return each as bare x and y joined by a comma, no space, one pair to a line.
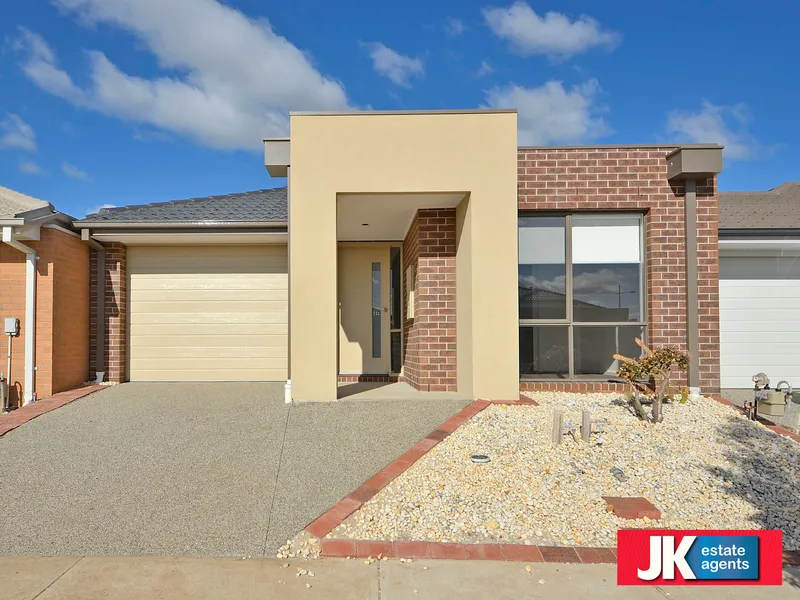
12,326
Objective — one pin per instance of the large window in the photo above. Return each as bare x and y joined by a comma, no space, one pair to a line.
580,293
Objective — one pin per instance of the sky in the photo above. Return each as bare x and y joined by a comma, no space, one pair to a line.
115,102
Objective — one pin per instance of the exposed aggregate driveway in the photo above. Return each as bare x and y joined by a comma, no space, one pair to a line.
206,469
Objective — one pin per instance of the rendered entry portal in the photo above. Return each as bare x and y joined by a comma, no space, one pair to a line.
381,169
580,293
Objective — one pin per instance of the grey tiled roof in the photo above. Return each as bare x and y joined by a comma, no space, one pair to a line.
257,206
13,204
541,294
778,208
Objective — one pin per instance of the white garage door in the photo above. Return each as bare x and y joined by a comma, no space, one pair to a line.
759,313
210,313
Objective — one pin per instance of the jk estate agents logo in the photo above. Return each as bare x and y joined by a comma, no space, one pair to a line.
672,557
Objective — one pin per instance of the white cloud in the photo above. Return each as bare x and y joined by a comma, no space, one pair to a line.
17,134
484,70
553,34
725,125
74,172
151,135
454,27
397,67
96,209
41,67
30,168
231,81
552,114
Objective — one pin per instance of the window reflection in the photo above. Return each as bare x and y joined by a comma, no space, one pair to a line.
542,268
603,292
543,350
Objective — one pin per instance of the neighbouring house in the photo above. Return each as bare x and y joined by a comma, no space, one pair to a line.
44,282
421,246
759,306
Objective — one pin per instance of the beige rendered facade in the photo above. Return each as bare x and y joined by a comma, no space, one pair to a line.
388,167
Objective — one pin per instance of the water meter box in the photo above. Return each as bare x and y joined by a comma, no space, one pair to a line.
774,405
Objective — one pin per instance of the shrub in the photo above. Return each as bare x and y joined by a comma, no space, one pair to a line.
650,375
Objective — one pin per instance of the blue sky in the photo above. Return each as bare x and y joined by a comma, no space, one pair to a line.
131,101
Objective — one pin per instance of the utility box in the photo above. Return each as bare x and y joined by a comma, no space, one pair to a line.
773,404
12,326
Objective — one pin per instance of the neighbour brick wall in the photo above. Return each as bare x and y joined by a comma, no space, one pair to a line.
47,250
61,312
430,337
634,179
114,364
70,312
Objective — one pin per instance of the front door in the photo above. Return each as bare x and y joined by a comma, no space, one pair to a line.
364,300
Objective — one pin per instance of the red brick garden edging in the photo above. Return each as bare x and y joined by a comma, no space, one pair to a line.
24,414
347,506
508,552
348,548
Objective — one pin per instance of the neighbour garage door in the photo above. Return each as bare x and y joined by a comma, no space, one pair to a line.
210,313
759,313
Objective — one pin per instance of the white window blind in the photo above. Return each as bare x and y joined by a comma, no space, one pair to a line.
542,245
600,239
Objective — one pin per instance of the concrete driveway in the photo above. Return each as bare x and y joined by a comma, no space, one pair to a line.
200,469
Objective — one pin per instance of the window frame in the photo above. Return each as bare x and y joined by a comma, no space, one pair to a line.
569,322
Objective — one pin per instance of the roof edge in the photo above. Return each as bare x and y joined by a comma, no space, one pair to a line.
178,224
446,111
749,232
672,147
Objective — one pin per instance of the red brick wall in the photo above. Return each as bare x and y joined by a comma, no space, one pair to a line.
70,312
62,287
708,284
635,179
430,337
114,363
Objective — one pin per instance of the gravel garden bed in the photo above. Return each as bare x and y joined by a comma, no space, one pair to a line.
704,467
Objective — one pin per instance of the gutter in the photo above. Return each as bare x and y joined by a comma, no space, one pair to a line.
30,311
100,337
178,224
759,233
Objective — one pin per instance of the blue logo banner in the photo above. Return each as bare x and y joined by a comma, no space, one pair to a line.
724,557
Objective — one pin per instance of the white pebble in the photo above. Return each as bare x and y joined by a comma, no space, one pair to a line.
704,463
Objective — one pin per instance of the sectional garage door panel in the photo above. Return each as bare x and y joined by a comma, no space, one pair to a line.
759,313
211,313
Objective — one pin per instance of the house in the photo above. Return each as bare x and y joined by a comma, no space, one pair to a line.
44,283
759,276
398,249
